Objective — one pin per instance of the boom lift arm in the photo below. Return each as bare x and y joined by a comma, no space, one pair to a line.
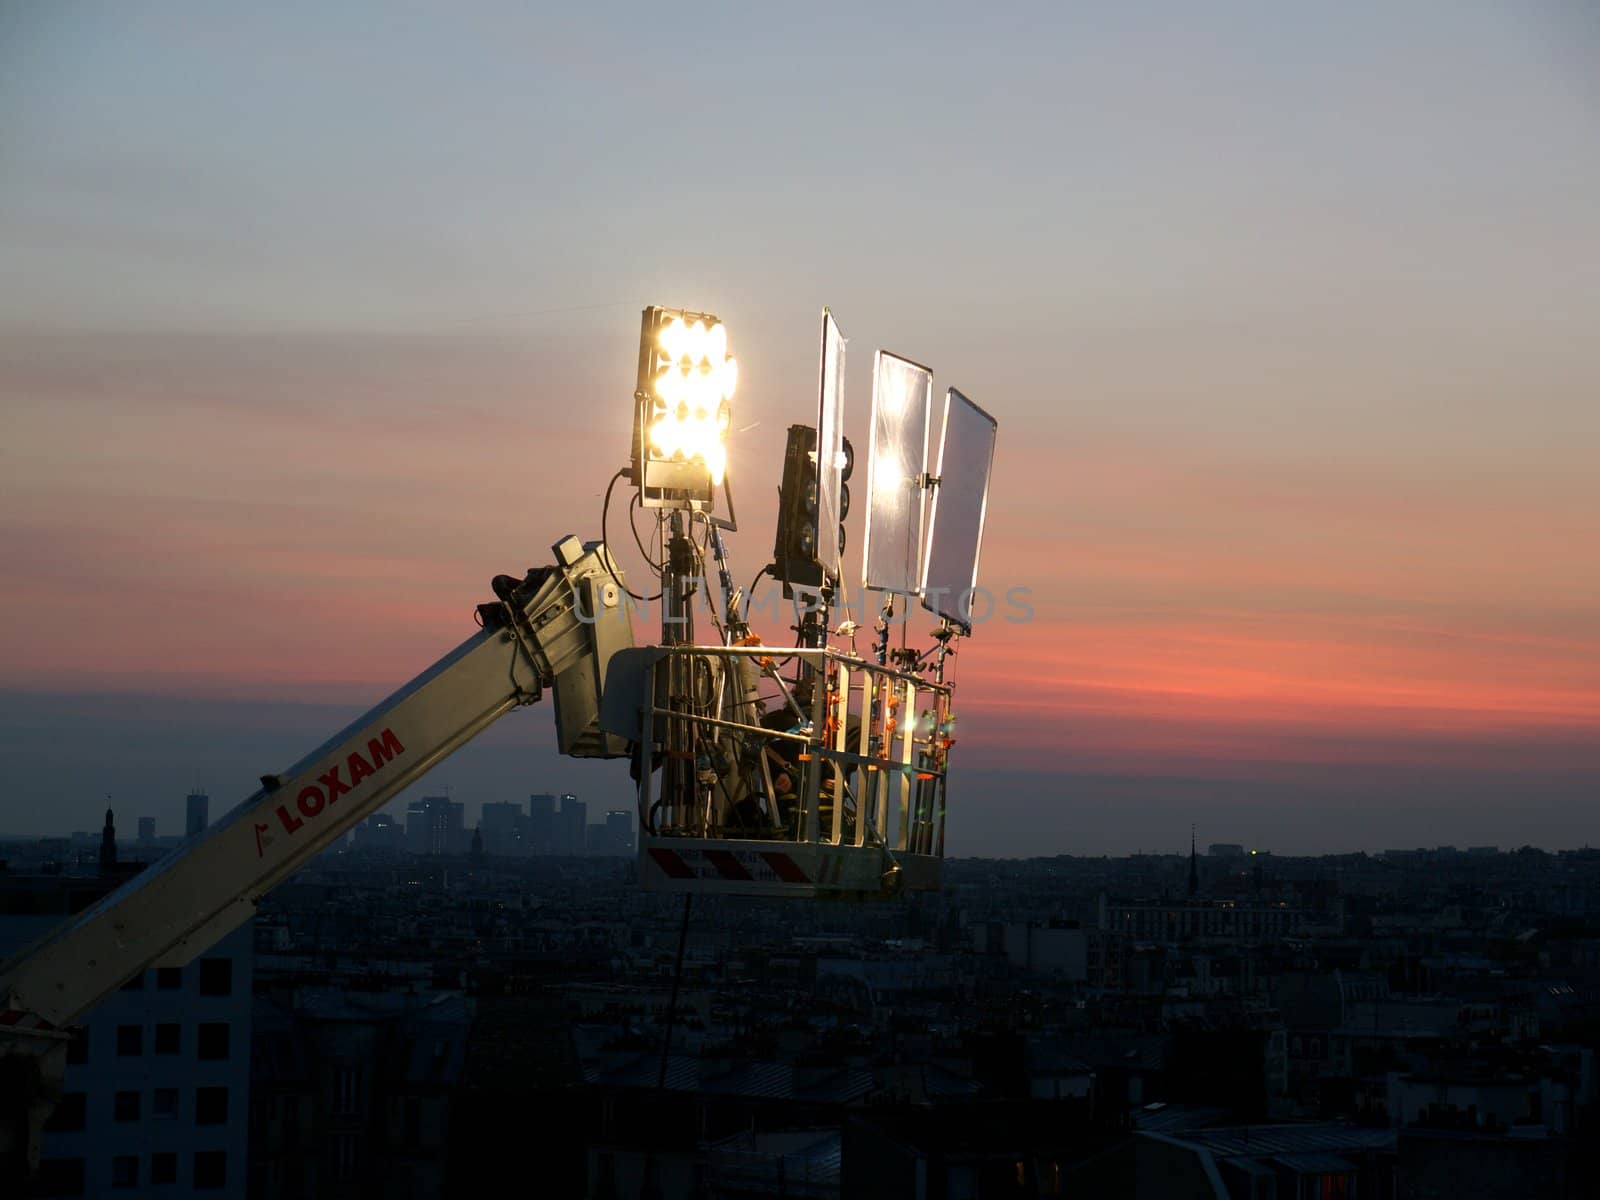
555,628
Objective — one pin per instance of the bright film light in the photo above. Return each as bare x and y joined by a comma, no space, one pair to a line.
686,382
897,459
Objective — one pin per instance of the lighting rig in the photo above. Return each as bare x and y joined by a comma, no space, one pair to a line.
805,769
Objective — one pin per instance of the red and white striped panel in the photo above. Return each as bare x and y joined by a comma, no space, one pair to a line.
675,864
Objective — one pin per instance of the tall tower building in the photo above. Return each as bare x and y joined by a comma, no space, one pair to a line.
505,827
147,830
541,823
198,813
573,825
615,835
435,825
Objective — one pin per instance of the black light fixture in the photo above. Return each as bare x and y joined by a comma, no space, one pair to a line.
794,548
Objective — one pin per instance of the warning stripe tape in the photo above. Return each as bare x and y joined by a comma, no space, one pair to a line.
671,863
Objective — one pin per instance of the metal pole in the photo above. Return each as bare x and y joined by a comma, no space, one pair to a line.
677,629
677,585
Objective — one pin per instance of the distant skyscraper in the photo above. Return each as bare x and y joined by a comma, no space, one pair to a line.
573,826
620,822
199,813
541,823
1194,865
436,825
615,836
505,828
147,830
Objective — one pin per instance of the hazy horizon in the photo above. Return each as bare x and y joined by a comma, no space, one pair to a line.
158,748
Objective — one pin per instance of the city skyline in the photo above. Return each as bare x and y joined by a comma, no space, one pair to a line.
1287,326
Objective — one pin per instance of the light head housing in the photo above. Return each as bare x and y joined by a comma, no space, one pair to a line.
682,408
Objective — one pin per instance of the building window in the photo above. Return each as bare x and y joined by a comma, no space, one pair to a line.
169,1038
130,1040
211,1106
164,1168
71,1112
78,1047
136,984
346,1151
61,1177
169,979
216,976
349,1090
210,1169
213,1040
125,1171
164,1102
127,1106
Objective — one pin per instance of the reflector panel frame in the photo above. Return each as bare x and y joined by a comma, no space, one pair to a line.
897,464
830,446
956,516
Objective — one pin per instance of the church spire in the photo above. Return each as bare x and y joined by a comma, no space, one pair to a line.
108,842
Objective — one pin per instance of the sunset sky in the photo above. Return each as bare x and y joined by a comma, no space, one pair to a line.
312,321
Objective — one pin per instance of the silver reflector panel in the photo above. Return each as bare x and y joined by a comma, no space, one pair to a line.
955,524
830,445
897,459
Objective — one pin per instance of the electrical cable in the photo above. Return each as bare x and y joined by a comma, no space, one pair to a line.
750,593
605,507
638,503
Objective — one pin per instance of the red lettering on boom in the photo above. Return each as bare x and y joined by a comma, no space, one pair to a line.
330,780
312,800
383,748
359,768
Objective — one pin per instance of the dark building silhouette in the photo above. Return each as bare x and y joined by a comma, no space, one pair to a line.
1194,866
197,813
541,823
436,825
572,826
108,844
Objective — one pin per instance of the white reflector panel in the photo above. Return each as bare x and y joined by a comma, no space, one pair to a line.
830,445
955,524
897,459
